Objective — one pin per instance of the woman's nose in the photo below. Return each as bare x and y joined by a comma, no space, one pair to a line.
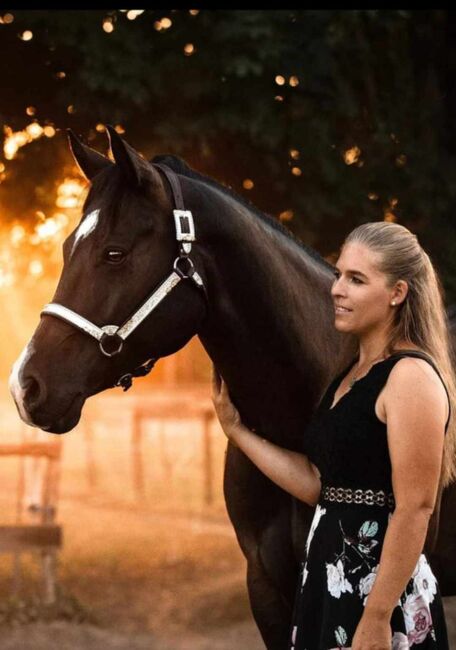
337,288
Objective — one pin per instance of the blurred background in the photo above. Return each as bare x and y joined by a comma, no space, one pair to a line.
324,120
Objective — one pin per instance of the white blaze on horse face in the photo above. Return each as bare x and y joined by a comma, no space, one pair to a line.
87,226
15,387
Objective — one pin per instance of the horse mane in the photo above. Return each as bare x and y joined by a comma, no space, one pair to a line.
179,166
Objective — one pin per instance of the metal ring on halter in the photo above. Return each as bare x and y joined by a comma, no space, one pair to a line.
184,274
110,332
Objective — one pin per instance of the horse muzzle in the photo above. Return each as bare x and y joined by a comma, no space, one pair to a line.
53,413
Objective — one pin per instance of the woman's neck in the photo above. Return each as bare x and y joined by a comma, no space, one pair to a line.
375,348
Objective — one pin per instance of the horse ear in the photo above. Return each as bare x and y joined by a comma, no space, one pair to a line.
89,161
135,168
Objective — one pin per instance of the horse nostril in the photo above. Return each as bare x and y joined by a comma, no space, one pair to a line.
34,392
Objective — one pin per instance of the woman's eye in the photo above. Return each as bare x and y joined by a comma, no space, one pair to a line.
355,280
114,255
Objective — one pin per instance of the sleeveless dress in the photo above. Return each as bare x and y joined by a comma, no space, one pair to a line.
348,444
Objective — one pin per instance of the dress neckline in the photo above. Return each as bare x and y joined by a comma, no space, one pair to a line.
394,354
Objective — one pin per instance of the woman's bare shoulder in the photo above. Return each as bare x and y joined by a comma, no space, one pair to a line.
412,380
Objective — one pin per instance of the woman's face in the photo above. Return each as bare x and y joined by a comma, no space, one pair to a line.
361,288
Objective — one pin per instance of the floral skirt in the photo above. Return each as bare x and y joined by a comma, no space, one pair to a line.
342,557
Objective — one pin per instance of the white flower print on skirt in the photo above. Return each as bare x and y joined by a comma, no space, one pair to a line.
337,583
340,569
319,512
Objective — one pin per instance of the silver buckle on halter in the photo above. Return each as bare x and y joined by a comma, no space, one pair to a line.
184,272
109,334
185,228
190,272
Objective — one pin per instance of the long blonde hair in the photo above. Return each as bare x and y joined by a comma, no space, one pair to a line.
421,318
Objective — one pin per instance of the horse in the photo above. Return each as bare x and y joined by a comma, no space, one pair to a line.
137,285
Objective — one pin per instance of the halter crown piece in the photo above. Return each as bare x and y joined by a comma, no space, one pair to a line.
111,337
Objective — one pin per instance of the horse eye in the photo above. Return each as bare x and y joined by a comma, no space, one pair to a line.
114,255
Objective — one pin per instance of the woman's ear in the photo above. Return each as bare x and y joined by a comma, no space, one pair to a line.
400,292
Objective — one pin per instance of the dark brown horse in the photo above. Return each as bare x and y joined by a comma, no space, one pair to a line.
258,299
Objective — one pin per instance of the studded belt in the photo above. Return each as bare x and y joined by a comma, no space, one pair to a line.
351,495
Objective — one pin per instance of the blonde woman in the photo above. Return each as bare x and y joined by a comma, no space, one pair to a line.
377,452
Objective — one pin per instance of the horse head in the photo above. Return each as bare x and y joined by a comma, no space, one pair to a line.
120,302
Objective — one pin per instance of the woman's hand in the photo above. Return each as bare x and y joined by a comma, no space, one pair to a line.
227,413
372,633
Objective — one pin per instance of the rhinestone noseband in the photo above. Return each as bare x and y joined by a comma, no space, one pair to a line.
358,496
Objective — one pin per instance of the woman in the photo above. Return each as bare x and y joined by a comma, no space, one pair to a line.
378,451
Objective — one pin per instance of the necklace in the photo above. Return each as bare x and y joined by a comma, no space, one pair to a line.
355,376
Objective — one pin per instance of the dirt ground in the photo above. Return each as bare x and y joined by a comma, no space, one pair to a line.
61,635
148,580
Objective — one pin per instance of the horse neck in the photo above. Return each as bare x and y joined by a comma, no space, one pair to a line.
267,298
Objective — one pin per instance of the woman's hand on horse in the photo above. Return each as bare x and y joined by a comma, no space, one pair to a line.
227,413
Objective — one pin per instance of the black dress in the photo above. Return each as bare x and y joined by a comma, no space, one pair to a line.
348,444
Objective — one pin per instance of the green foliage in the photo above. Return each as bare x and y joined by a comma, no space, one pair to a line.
379,80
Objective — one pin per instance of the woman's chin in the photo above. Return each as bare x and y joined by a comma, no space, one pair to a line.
339,324
343,327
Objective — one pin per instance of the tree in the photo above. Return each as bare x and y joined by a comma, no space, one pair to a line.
336,117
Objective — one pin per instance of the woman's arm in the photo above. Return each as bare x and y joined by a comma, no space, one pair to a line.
416,406
290,470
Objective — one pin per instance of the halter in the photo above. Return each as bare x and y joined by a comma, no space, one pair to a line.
111,337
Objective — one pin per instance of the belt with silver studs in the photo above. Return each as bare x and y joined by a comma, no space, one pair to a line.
357,495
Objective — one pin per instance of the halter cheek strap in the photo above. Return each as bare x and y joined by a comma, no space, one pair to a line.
111,337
